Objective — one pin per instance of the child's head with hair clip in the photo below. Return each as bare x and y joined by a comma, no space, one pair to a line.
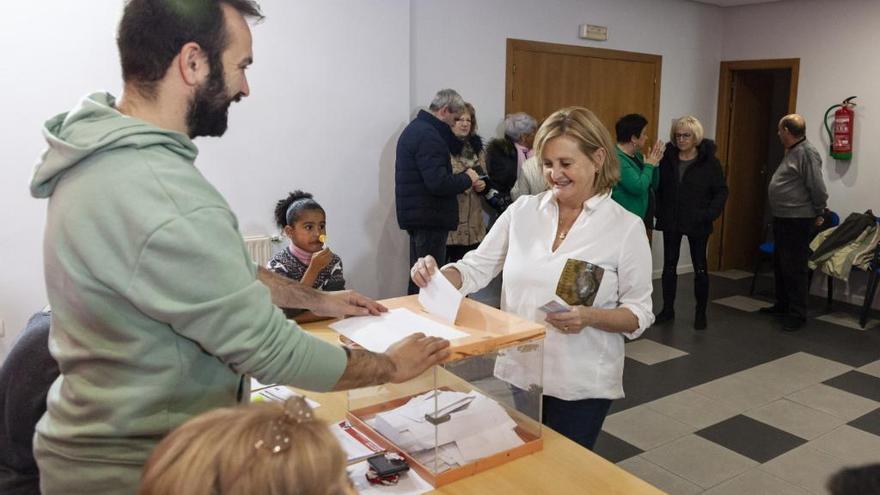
302,220
269,448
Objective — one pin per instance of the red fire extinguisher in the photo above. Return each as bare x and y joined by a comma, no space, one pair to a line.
841,132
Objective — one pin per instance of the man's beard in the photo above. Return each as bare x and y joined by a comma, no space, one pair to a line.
208,111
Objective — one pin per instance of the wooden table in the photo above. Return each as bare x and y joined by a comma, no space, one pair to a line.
562,467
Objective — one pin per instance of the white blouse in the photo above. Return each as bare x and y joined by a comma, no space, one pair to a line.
588,364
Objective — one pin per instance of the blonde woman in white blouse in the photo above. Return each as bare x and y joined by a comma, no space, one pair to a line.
531,241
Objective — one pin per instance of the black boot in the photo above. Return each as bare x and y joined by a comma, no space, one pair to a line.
700,320
701,294
669,281
664,316
775,310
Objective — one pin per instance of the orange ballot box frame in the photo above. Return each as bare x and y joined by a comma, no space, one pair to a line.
491,333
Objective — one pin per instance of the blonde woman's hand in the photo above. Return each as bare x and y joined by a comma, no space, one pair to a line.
572,321
422,271
479,185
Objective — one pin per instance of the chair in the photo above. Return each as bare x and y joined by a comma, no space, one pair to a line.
870,288
767,249
25,378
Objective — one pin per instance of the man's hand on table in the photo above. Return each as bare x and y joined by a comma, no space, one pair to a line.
415,354
346,303
404,360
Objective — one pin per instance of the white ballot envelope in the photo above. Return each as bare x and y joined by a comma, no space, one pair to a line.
377,333
440,298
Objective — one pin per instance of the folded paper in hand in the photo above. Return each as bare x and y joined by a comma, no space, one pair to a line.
441,298
554,306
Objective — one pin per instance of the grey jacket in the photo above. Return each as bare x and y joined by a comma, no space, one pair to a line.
797,189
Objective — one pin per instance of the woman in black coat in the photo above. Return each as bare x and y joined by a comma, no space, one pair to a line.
690,197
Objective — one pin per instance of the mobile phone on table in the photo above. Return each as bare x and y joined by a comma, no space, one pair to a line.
385,465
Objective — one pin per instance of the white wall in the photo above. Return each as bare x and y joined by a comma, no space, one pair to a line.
335,81
330,94
836,43
329,97
462,44
55,52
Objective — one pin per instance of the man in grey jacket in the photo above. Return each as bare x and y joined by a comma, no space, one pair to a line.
797,199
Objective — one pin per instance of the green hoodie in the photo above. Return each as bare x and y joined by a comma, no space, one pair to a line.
156,309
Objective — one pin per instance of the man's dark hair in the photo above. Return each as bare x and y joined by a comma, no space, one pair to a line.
630,126
861,480
797,127
152,32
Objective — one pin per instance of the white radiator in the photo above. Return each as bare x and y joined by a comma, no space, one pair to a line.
261,247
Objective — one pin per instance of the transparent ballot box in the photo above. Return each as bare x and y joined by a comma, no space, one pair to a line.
477,410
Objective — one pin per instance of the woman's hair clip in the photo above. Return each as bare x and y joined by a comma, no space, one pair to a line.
296,411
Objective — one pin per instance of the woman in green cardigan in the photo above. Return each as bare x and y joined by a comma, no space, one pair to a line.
638,174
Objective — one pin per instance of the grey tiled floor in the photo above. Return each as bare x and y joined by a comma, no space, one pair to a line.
696,399
848,320
742,302
649,352
744,407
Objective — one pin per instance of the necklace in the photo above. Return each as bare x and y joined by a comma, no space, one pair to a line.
562,233
569,216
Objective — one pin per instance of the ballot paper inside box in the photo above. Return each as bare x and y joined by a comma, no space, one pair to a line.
476,411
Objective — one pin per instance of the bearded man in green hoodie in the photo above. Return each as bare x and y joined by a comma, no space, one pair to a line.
149,328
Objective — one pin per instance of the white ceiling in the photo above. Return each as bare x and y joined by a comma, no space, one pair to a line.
733,3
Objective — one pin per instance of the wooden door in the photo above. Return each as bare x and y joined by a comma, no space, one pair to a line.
544,77
746,161
744,130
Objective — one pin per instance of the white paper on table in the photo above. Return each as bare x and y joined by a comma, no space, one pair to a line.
279,393
256,385
377,333
440,298
354,449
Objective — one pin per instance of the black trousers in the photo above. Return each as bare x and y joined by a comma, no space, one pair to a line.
578,420
425,242
792,239
671,252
